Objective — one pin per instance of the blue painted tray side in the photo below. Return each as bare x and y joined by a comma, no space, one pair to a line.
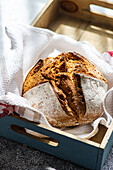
68,148
104,153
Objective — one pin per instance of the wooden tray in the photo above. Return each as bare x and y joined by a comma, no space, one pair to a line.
76,19
80,20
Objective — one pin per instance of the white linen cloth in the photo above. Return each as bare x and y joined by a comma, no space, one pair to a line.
28,45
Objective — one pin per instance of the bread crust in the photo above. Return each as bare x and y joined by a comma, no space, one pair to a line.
68,75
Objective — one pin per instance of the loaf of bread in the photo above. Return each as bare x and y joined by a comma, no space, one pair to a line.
68,89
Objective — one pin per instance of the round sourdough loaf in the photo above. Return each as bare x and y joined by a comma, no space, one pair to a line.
68,89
